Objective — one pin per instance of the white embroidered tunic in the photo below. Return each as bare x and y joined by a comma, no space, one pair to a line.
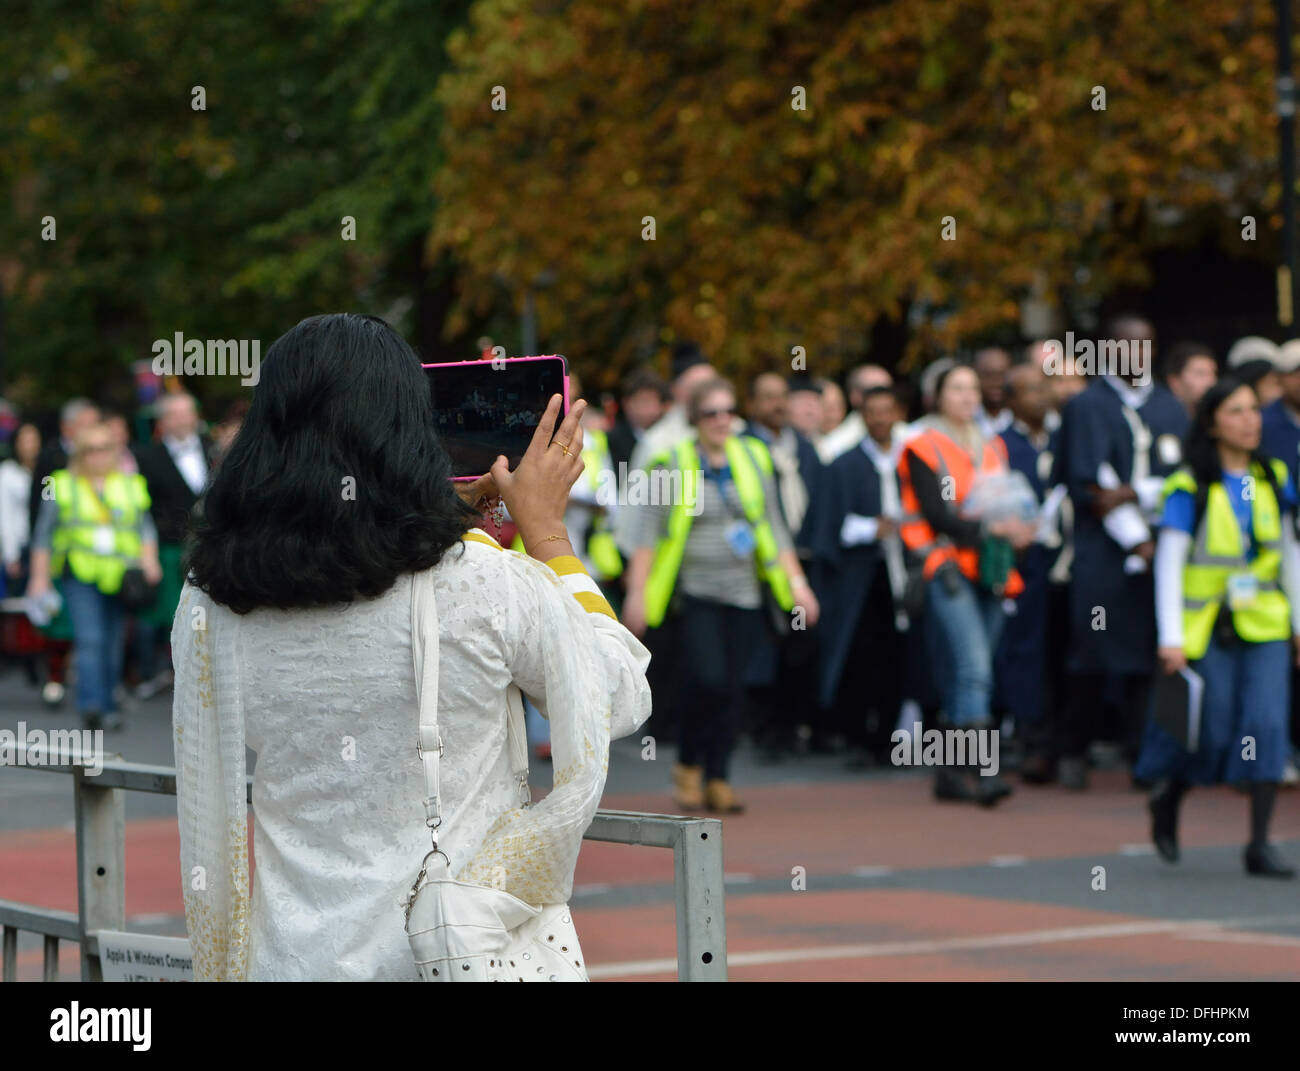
326,699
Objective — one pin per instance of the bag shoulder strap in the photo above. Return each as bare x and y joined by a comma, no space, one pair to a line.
424,655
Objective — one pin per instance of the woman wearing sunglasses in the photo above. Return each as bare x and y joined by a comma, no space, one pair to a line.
709,548
93,525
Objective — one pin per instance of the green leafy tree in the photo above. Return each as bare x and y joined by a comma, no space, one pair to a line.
225,221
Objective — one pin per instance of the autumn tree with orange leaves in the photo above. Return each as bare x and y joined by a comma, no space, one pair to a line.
813,168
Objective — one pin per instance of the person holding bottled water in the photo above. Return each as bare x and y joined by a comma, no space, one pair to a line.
964,520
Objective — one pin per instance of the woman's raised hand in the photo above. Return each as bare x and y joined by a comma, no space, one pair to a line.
537,492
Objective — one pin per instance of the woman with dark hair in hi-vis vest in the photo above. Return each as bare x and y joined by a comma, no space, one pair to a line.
1227,579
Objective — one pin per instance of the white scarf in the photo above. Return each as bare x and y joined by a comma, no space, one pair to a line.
790,485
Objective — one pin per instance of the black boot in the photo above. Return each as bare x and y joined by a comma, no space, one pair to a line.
1261,858
989,790
1163,805
953,783
1038,769
992,788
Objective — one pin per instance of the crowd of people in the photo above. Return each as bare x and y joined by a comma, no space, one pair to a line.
100,521
1028,555
1013,543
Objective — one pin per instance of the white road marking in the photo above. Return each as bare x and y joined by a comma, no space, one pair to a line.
1247,938
872,871
1008,860
1137,849
1179,928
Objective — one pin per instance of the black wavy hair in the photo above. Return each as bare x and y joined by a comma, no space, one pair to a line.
336,483
1201,448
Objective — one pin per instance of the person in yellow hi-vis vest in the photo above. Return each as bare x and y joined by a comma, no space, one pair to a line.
1227,573
598,492
93,525
708,544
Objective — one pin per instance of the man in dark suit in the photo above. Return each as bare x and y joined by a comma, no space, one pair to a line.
862,666
1119,439
176,467
1029,653
643,397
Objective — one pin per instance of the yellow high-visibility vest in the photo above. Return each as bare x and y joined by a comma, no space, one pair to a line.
747,457
83,513
1218,551
601,547
600,541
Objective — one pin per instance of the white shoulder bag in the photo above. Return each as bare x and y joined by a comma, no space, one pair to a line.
460,932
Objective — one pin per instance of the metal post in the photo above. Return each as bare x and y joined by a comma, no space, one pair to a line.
10,953
701,914
1286,150
101,864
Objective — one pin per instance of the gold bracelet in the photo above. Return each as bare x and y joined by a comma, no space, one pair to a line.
548,539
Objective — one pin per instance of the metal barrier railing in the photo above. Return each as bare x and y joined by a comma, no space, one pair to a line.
101,871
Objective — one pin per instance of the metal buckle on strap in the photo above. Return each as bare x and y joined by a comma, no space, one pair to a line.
419,745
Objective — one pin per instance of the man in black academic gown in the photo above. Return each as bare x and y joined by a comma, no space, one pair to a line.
176,468
1124,431
855,530
1030,650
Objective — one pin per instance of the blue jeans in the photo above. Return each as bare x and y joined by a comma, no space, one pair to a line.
539,729
968,624
1247,694
98,629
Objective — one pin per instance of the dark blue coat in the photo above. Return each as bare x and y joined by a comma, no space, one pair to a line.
1093,430
1281,437
843,575
1020,663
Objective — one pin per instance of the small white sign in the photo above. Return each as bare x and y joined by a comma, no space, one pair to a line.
140,957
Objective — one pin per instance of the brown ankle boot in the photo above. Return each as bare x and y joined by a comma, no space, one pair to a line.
721,797
688,787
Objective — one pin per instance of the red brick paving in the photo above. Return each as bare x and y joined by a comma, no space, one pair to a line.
765,923
828,828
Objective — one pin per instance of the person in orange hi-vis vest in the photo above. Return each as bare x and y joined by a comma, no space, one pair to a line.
966,565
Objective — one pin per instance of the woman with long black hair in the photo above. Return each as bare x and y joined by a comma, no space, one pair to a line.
1227,606
295,636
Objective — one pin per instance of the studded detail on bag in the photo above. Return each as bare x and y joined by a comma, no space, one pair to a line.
460,931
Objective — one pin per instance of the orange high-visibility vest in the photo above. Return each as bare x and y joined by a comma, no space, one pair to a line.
948,461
